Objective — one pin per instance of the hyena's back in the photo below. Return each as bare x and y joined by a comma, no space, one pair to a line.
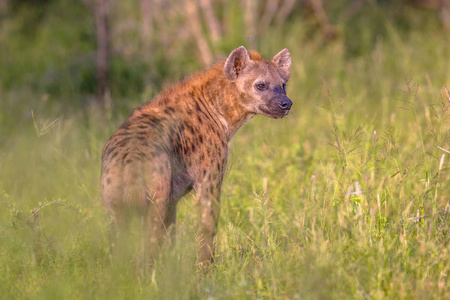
137,166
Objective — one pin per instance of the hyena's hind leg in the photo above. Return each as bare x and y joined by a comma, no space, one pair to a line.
159,215
119,226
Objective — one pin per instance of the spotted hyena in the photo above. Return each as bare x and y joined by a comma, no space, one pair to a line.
179,141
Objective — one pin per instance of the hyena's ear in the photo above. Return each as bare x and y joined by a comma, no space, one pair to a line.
235,63
283,62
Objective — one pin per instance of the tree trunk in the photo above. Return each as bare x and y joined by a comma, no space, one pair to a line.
146,26
196,30
101,11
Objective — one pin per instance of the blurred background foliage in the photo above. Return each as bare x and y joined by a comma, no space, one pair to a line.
52,47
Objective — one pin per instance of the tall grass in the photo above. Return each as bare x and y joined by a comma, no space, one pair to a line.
347,197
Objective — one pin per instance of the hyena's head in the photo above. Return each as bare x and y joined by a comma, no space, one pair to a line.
261,82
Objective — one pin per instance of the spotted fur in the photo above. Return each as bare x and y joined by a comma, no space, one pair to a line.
179,141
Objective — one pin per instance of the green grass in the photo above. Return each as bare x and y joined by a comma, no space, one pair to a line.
323,204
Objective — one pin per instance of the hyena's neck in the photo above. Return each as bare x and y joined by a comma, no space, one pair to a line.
225,101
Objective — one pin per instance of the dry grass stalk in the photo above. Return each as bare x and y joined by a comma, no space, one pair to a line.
446,91
415,219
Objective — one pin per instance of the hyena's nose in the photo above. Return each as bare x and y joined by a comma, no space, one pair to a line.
285,103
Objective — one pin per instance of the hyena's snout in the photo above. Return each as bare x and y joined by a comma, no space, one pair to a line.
285,104
278,107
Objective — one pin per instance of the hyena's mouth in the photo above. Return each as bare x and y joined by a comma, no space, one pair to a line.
275,113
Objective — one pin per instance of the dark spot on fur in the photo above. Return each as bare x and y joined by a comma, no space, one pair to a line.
152,121
169,110
121,133
159,148
189,127
125,156
175,140
125,125
200,138
109,150
114,155
199,119
172,131
140,156
193,148
108,180
141,138
123,142
128,161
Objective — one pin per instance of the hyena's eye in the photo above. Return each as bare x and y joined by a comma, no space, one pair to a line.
284,87
261,86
